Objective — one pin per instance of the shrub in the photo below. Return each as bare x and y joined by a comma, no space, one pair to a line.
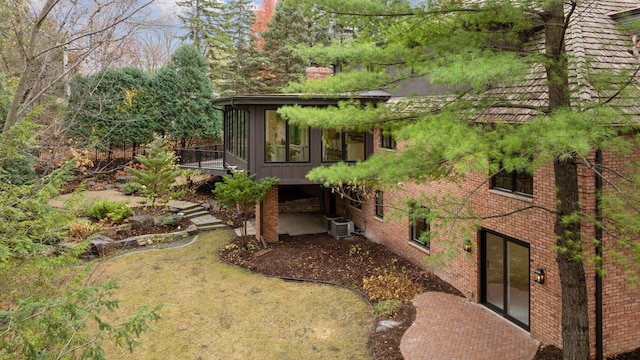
81,230
167,219
386,308
391,283
115,211
19,170
132,188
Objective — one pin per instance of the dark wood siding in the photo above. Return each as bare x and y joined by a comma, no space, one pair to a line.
288,173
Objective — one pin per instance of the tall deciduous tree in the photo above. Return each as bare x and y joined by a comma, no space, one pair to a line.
263,15
238,189
489,50
53,38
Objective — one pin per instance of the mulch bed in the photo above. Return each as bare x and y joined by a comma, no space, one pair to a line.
345,262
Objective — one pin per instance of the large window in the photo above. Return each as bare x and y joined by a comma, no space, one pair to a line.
518,182
236,132
342,145
284,142
420,227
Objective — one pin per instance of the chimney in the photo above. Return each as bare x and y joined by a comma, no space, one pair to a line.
319,72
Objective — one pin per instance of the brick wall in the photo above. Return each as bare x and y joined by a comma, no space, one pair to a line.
318,72
621,300
267,217
308,205
526,219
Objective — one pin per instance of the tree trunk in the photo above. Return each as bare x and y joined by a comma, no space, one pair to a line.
575,312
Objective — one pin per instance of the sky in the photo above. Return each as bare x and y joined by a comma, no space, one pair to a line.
169,6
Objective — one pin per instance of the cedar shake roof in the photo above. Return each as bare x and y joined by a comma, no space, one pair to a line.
596,41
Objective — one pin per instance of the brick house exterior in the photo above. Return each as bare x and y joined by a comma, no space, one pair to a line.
621,301
528,227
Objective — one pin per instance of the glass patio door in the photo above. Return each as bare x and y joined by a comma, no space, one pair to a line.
505,277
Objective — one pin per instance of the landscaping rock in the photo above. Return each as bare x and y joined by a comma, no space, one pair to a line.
386,324
141,221
192,229
124,179
102,245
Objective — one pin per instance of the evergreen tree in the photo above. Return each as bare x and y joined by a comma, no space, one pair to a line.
183,93
159,173
236,64
111,108
287,28
488,50
203,20
49,311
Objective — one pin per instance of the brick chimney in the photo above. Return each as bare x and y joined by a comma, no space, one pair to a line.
319,72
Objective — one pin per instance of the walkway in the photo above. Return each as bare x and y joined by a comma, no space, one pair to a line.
449,327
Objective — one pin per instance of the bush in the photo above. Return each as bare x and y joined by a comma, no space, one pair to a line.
19,170
115,211
386,308
132,188
81,230
167,219
392,283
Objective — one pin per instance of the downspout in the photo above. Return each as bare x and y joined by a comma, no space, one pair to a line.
598,235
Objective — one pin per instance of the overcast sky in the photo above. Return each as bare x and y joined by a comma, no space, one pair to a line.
170,7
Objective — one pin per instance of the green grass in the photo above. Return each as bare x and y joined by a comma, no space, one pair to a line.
216,311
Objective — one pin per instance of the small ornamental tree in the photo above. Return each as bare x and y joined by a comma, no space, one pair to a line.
159,173
240,190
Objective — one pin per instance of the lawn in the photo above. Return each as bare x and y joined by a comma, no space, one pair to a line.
216,311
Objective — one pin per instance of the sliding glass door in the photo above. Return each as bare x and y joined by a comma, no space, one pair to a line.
505,277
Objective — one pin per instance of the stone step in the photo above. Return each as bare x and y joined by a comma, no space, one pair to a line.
184,206
205,220
211,227
196,213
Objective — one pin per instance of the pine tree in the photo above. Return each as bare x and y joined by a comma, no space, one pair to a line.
236,64
287,28
203,20
159,172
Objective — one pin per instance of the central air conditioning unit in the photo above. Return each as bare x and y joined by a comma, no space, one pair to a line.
341,228
326,222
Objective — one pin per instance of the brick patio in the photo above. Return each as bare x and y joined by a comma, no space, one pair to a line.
449,327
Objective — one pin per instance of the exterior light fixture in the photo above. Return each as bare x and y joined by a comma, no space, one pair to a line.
466,245
538,276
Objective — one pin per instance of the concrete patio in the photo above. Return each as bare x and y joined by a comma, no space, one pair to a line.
292,224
